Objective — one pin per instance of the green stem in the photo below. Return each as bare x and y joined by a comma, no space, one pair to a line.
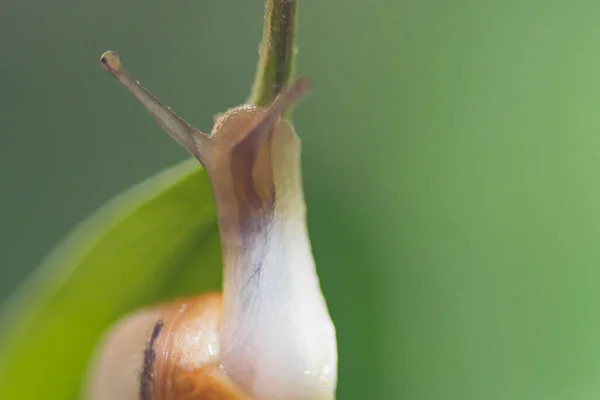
276,53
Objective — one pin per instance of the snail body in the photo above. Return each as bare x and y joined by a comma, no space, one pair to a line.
268,335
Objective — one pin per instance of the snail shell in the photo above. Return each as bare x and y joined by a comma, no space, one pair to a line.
165,353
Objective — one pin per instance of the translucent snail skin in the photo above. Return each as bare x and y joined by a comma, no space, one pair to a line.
268,335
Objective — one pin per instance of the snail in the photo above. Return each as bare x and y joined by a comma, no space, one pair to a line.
268,335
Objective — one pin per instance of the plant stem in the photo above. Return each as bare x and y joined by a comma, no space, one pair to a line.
276,53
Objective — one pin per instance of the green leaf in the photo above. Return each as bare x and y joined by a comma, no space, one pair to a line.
156,241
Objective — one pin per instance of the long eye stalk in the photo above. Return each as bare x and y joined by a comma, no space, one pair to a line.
187,136
190,138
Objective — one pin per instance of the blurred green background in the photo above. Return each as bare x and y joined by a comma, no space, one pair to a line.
451,167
